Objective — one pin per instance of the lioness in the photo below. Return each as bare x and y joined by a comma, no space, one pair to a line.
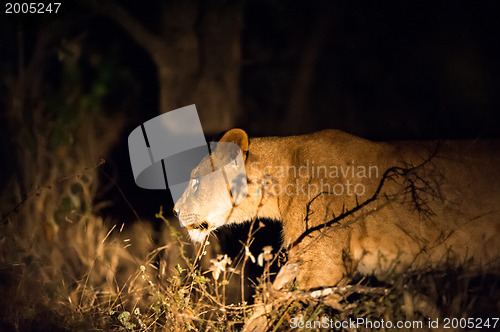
350,205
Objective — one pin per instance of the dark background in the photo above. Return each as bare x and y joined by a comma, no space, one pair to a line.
381,70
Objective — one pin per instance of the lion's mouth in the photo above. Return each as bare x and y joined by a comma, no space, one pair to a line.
203,225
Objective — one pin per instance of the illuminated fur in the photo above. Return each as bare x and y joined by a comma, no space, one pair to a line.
439,203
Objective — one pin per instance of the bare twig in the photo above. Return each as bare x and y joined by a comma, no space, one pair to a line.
389,174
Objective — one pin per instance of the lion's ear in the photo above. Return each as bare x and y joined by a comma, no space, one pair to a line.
238,137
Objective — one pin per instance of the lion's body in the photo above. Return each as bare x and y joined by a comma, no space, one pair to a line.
439,203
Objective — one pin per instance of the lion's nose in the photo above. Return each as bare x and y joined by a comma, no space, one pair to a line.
176,211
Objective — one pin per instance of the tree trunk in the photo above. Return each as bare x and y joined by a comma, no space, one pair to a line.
197,55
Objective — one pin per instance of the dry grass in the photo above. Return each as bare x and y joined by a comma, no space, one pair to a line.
96,276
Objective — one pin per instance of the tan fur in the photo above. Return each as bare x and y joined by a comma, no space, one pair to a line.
440,206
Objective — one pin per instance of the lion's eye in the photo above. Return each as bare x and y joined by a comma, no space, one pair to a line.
195,184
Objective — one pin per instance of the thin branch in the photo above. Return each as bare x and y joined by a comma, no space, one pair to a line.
390,174
37,191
